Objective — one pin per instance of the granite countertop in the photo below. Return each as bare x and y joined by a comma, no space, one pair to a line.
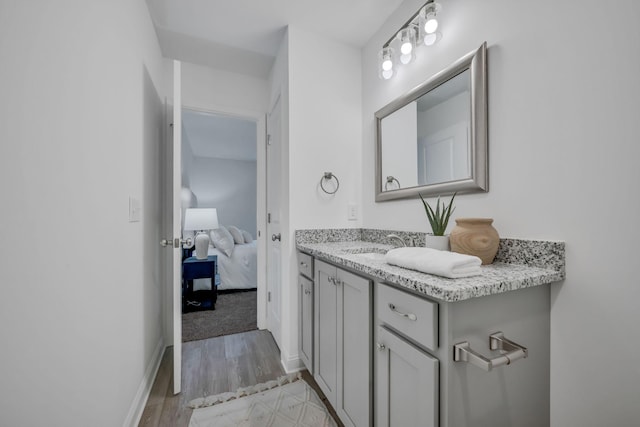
519,263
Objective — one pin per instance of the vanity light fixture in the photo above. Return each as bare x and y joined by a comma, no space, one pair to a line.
407,38
385,63
429,16
421,28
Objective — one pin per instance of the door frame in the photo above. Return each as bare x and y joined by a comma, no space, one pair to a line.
260,118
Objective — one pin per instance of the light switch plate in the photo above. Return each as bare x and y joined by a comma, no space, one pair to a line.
134,209
352,212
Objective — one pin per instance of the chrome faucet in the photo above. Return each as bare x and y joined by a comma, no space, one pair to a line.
401,240
395,236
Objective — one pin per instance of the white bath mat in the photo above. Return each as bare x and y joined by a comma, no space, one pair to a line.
292,404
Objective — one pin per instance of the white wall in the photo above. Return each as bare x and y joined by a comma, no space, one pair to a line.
80,296
324,134
563,152
208,89
230,187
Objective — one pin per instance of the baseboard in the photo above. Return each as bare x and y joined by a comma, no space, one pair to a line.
140,400
291,363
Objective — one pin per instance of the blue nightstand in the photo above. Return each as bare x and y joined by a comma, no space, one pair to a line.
194,268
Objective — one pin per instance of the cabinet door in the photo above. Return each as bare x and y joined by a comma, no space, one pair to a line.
354,350
406,383
326,330
306,322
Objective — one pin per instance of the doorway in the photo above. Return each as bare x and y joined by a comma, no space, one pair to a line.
220,170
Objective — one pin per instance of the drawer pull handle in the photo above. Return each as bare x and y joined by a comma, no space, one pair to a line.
409,316
304,264
462,352
307,292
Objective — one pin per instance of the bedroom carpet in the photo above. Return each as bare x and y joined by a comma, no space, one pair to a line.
235,312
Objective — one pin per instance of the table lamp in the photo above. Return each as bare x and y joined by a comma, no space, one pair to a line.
201,220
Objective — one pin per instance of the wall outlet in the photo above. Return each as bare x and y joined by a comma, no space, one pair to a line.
352,212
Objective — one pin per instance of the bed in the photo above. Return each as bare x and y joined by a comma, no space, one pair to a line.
239,271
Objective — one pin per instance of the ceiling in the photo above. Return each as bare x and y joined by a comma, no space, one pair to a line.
243,36
217,136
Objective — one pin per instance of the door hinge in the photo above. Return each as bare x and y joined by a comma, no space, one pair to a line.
268,296
268,139
268,218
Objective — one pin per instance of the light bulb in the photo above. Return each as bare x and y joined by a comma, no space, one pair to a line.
405,59
406,47
385,63
407,40
432,23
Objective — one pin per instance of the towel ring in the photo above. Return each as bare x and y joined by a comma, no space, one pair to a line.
328,176
390,180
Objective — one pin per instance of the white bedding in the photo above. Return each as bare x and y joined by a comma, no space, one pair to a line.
240,271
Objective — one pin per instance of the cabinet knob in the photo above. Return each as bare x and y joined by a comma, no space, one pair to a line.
381,346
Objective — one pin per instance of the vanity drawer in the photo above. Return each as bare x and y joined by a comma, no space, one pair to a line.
410,315
305,265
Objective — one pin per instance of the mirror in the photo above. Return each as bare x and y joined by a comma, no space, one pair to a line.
433,140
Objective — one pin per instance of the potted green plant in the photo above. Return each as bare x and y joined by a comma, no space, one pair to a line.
438,219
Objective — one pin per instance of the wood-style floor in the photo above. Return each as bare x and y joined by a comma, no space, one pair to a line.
213,366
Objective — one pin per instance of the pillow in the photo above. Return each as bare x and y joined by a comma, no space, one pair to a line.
223,240
238,238
247,237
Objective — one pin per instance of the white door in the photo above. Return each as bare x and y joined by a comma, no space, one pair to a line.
171,180
274,256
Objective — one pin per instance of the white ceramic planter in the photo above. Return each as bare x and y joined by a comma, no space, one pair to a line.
440,243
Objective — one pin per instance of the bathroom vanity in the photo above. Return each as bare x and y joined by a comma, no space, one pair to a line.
396,347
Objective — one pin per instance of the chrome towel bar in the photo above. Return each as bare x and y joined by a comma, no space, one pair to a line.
462,352
329,176
390,180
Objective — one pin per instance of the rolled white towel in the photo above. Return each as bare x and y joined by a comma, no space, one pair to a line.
442,263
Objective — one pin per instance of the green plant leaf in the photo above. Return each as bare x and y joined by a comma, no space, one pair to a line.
438,219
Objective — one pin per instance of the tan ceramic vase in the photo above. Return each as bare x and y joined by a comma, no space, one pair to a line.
475,236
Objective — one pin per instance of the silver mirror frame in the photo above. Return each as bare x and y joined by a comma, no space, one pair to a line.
476,62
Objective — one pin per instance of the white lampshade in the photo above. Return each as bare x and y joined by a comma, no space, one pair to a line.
201,219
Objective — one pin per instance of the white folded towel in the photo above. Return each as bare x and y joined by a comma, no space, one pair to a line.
442,263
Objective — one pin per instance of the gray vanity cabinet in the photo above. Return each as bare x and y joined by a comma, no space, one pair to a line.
406,383
305,307
343,342
406,375
418,381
